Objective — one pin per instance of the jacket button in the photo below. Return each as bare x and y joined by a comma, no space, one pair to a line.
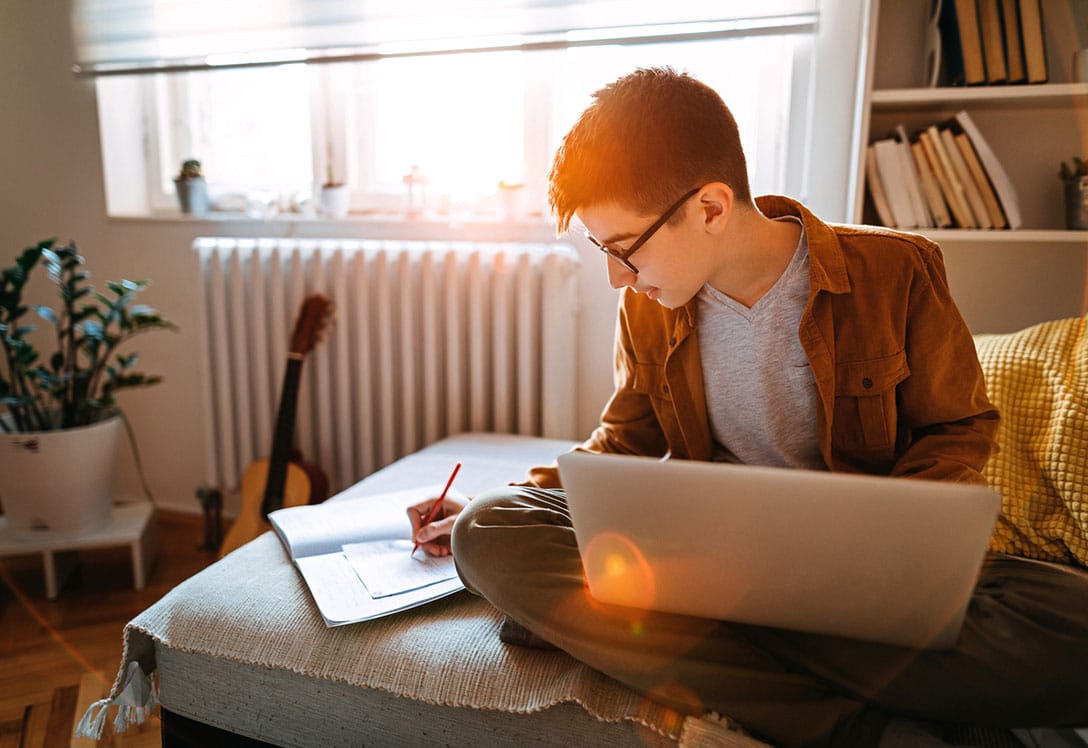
672,342
867,383
665,389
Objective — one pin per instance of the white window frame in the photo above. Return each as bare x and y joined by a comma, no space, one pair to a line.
538,138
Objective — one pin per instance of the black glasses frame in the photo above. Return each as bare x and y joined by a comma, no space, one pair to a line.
622,255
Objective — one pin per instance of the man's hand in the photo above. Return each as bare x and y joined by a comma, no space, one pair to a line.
434,538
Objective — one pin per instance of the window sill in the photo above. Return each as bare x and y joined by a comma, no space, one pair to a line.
361,225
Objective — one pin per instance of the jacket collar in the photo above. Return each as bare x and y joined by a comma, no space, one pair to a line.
827,266
826,261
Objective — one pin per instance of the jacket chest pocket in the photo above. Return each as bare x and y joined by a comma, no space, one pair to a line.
650,380
865,406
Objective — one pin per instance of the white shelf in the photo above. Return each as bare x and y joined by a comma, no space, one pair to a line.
1026,95
1022,236
1042,269
129,524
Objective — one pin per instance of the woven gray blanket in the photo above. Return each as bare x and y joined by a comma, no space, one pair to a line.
253,609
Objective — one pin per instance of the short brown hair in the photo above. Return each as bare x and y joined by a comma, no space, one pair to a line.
647,138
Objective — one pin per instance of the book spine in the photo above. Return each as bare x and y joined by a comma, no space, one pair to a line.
974,60
970,190
890,165
926,139
1014,50
1003,186
993,41
930,188
876,189
960,207
1031,29
951,49
982,181
913,182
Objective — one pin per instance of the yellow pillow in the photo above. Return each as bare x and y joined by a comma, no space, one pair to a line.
1038,379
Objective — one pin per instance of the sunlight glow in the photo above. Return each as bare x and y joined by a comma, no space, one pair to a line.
619,573
468,122
460,121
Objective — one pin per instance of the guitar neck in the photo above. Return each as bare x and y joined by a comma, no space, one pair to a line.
281,440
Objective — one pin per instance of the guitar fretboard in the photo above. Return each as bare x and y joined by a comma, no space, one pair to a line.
281,439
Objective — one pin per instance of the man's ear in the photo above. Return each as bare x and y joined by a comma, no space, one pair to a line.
716,201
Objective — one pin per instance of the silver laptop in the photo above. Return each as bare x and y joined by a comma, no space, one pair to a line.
891,560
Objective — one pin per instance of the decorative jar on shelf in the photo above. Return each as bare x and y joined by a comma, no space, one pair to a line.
1075,188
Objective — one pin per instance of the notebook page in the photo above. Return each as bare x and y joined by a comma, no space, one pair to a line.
388,567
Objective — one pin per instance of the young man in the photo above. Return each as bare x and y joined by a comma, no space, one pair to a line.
750,331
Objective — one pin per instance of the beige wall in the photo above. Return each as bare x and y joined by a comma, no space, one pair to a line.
49,154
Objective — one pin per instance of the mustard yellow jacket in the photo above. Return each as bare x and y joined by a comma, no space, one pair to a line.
900,388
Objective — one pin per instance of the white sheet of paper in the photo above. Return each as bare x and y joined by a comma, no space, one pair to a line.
341,597
388,567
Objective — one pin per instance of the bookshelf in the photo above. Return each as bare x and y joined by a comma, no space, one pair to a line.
1002,279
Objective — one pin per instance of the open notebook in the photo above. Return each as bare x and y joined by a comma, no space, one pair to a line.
356,555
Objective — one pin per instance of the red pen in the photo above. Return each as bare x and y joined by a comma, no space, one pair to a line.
436,507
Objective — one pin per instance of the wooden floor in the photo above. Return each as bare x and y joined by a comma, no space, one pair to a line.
57,656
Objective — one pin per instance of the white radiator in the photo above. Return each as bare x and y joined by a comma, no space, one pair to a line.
428,339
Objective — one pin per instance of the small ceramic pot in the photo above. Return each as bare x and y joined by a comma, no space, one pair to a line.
1076,203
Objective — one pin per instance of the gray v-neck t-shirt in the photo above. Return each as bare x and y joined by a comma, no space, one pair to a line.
760,391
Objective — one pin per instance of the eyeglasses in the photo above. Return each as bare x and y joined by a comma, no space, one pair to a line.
622,255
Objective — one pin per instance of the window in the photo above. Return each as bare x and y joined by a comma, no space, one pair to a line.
268,137
250,127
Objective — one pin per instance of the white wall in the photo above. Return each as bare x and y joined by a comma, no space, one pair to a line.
50,158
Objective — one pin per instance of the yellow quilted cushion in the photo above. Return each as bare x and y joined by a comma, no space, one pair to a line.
1038,379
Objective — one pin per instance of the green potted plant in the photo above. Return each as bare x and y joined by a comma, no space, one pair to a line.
1074,176
192,188
60,424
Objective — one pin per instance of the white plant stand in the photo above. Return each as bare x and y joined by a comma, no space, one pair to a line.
129,524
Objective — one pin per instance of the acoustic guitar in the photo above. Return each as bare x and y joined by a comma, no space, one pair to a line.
282,479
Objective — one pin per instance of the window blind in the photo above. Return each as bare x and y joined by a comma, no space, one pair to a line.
151,36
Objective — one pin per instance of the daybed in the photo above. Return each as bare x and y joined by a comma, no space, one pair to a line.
241,647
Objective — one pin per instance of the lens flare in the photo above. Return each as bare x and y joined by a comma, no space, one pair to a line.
618,572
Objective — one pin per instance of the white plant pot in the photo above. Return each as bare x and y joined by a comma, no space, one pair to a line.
193,195
59,482
334,201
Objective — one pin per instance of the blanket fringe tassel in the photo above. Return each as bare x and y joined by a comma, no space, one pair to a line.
135,700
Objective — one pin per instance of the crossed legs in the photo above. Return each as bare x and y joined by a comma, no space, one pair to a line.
1019,662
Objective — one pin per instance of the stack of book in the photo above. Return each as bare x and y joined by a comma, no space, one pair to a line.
992,41
944,175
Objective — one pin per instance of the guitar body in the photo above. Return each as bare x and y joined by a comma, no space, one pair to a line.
319,482
251,521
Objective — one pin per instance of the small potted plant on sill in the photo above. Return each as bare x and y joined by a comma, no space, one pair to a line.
334,194
1075,181
60,425
512,197
192,188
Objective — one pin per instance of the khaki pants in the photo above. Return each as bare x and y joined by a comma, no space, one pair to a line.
1021,659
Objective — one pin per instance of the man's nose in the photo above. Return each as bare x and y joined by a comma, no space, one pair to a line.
619,276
